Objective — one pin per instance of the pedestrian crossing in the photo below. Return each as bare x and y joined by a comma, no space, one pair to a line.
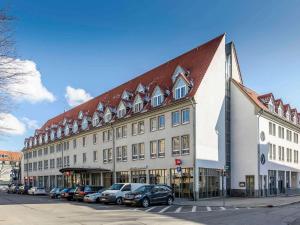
184,209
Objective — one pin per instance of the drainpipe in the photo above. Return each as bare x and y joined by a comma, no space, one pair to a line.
113,154
62,162
196,175
258,153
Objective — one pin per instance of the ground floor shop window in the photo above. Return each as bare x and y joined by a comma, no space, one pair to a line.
40,181
122,177
157,176
272,182
209,183
107,179
59,181
46,183
281,178
182,182
96,177
138,176
52,182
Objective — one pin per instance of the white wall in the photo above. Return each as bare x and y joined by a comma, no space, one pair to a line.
210,114
244,128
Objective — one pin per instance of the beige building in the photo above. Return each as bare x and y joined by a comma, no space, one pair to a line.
165,126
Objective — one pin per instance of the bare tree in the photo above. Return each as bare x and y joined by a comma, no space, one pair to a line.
10,72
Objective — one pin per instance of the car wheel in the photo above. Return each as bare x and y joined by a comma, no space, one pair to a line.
169,201
119,201
97,200
145,202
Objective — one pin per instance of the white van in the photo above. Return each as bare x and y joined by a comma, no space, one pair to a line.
117,191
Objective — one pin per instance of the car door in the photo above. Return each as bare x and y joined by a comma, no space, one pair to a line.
155,194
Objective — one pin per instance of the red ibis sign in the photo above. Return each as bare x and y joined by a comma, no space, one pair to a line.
178,162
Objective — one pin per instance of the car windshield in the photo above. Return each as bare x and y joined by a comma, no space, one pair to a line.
116,186
144,189
53,190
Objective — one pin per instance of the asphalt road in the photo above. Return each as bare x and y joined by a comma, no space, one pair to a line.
40,210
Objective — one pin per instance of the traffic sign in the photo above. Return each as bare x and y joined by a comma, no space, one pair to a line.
178,169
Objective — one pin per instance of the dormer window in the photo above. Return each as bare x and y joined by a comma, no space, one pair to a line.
35,141
288,115
40,139
75,127
46,138
138,104
59,132
107,116
157,97
180,89
95,120
271,106
140,89
100,107
66,130
84,124
280,111
80,115
178,70
64,121
126,95
121,110
295,119
52,135
30,143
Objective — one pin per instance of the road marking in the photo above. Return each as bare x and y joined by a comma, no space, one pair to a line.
178,210
148,210
194,209
222,208
208,208
164,209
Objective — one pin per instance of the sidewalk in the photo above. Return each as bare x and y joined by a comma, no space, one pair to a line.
241,202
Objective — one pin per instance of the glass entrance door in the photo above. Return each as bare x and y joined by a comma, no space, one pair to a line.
250,187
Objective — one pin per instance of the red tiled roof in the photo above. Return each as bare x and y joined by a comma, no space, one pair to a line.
11,156
196,61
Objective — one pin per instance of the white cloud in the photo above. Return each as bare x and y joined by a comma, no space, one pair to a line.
77,96
9,124
30,124
29,86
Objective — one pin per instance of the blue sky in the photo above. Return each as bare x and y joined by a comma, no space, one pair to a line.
96,45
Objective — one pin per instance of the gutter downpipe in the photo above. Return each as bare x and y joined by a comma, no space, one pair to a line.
258,153
195,185
113,154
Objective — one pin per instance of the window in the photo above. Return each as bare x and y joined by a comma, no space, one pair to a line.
40,152
280,132
153,124
51,149
109,155
185,116
138,107
95,120
40,165
74,159
141,151
175,118
157,97
161,148
74,143
296,138
288,135
134,152
95,156
107,135
272,129
153,149
272,151
52,163
176,145
121,132
83,157
107,116
289,155
83,141
94,138
35,166
46,151
119,153
180,89
161,122
185,144
34,154
134,129
66,145
296,159
121,112
271,106
124,153
141,127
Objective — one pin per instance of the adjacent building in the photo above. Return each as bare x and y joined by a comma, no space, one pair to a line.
10,163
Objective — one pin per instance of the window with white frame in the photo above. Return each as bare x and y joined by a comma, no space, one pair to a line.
52,135
121,132
84,157
153,124
107,135
138,104
121,110
296,155
280,111
281,132
84,124
185,144
74,159
153,149
185,116
105,155
95,120
180,89
66,130
75,127
157,98
95,156
59,132
134,129
296,138
107,116
288,115
124,153
161,122
288,135
175,146
119,153
272,128
74,143
175,118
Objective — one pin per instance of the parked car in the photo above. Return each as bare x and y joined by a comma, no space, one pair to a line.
82,191
11,188
23,189
37,191
55,192
3,188
67,193
148,195
116,192
95,197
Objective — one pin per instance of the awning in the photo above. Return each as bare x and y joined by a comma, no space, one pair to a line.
83,170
